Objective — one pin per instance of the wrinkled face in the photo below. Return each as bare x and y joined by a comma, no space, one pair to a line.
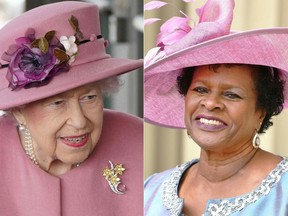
220,108
65,127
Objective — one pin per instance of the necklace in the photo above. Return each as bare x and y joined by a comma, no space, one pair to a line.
28,146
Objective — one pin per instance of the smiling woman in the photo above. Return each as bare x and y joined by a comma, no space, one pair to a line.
74,119
235,89
62,152
223,88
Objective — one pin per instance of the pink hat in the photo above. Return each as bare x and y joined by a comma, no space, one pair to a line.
52,49
209,42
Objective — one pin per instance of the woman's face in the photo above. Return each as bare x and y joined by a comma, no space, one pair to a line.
220,108
65,127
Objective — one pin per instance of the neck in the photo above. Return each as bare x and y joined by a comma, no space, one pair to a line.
53,166
217,167
58,168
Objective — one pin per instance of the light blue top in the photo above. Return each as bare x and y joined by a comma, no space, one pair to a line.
270,198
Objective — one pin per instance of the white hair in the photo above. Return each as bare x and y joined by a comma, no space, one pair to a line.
109,85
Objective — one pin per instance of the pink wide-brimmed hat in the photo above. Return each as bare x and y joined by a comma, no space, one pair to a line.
209,42
52,49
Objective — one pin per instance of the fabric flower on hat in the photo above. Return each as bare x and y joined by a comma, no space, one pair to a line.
215,18
173,30
35,61
32,60
70,46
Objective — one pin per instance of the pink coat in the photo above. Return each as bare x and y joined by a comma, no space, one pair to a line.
26,190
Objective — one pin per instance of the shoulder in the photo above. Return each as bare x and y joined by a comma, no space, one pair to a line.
122,131
160,191
281,172
155,183
155,180
122,127
153,189
7,127
120,120
175,174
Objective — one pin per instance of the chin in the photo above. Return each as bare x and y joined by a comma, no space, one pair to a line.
75,158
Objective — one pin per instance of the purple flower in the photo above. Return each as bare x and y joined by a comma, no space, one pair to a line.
31,65
34,61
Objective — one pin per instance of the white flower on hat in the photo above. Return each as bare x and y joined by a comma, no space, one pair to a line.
70,46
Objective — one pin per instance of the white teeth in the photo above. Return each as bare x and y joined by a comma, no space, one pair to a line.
75,140
210,122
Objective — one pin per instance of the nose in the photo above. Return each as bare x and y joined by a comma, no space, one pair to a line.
212,102
76,116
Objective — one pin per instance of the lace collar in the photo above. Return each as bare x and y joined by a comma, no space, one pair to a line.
224,206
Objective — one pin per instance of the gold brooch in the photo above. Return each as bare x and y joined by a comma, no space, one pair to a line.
112,175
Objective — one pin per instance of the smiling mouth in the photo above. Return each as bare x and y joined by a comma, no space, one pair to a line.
210,122
76,139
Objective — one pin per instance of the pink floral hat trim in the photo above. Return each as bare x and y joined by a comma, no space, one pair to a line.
52,49
34,62
210,41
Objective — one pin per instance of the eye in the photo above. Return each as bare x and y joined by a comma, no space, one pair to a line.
88,98
231,95
200,90
57,102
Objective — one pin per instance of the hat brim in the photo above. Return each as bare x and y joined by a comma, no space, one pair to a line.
163,104
78,75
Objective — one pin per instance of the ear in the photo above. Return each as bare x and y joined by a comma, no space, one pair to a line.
262,115
18,115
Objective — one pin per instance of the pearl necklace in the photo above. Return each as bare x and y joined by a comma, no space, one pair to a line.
28,146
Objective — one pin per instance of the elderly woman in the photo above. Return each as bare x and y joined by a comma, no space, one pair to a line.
230,86
62,153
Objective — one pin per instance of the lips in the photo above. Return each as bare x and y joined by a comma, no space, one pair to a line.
75,141
210,123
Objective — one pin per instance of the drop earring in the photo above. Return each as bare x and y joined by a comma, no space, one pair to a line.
256,140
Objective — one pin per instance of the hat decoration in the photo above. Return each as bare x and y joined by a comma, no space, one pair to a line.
215,18
76,53
34,61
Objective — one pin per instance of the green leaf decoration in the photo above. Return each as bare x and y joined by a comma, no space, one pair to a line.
61,55
43,45
35,43
75,25
49,35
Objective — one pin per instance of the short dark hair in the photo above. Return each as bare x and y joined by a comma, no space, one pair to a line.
269,88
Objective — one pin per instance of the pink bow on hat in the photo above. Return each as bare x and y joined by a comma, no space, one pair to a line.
176,34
